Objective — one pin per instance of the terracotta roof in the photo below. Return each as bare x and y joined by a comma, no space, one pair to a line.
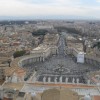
96,98
14,67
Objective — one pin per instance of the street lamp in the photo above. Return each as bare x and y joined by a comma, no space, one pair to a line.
9,61
1,93
14,93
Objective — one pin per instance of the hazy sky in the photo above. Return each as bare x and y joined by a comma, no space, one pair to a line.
51,8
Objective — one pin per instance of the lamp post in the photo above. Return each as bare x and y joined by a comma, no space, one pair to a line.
1,93
14,93
9,61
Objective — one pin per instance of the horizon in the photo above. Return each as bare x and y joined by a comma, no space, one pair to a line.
24,18
50,9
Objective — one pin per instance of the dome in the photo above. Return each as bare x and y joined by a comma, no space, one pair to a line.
98,84
33,94
87,97
36,97
59,94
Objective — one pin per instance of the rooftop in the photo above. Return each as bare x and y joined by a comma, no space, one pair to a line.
17,86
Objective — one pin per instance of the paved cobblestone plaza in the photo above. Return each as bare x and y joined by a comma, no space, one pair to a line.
61,65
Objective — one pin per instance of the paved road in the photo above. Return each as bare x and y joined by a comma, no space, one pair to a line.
61,45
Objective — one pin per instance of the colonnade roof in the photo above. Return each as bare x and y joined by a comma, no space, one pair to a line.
41,47
12,86
93,57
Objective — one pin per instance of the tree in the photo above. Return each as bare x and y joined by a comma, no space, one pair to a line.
70,30
97,44
40,32
19,53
